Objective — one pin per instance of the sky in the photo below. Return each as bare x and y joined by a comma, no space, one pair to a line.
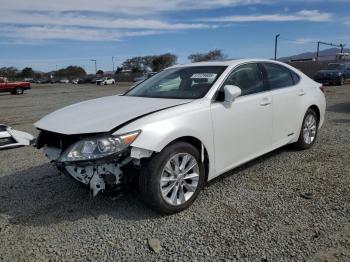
50,34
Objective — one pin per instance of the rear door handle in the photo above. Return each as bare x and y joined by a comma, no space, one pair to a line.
266,101
301,92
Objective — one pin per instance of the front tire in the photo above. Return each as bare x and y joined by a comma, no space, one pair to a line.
18,91
171,180
308,132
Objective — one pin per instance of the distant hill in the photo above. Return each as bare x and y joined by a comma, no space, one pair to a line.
327,54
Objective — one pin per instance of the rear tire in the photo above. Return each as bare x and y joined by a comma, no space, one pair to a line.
155,178
309,130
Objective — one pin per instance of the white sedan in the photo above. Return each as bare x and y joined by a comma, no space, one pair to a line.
183,127
105,81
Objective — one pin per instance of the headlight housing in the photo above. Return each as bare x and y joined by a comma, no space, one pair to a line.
98,147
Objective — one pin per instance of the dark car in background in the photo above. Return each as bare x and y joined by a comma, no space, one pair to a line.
336,73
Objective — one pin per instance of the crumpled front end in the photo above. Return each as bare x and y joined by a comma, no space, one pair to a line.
105,174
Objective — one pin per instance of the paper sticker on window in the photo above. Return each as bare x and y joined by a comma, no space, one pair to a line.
204,76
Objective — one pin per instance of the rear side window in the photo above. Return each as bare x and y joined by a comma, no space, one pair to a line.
279,76
296,78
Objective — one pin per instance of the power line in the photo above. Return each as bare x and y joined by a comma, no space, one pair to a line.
299,41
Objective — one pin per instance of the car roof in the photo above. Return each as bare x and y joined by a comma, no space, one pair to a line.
233,62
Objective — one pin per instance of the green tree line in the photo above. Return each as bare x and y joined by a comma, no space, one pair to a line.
138,64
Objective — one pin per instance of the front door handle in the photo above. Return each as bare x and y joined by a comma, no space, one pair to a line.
301,92
266,101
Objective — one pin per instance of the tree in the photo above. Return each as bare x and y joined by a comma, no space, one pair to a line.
163,61
71,72
27,72
99,72
75,72
134,64
145,63
9,72
215,54
119,69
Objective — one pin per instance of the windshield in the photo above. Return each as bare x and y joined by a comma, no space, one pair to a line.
181,83
336,66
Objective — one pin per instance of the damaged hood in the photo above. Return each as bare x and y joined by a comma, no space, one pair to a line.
103,114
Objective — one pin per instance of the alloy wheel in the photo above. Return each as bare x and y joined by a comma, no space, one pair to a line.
179,179
309,129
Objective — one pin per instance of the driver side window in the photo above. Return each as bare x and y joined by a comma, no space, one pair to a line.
248,78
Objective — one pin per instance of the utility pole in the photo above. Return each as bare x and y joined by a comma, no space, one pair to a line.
113,63
342,48
318,50
94,60
330,44
276,40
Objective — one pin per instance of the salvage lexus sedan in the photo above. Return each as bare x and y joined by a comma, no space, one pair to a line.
183,127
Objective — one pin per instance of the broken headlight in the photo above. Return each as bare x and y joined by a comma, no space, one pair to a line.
98,147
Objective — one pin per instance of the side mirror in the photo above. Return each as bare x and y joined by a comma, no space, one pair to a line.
231,93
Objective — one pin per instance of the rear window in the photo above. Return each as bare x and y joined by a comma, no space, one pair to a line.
296,77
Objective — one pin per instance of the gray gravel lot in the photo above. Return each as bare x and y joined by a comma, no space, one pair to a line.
254,213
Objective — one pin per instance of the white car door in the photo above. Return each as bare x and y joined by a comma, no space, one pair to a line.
287,94
242,130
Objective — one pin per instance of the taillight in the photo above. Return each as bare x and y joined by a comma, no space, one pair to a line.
322,88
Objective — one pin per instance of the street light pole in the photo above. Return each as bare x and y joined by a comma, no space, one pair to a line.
276,40
94,60
113,63
342,47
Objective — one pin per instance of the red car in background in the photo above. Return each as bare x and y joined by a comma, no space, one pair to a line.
15,88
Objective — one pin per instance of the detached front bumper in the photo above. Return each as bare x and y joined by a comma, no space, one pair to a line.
11,138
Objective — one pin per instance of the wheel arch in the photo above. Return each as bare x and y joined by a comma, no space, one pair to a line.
199,145
317,111
14,89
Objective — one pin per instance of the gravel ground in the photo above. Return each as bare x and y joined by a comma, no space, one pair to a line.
285,206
